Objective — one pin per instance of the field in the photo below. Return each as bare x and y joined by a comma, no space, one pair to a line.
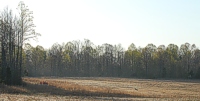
94,88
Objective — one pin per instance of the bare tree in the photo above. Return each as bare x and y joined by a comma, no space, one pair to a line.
27,30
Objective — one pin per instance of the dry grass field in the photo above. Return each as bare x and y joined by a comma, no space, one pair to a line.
94,88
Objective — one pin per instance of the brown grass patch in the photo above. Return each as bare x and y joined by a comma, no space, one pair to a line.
108,87
82,90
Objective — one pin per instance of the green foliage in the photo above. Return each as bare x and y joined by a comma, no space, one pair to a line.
83,59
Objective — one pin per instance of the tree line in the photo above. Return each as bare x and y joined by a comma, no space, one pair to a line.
84,59
15,30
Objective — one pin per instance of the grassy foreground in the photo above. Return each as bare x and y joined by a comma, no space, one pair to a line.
102,89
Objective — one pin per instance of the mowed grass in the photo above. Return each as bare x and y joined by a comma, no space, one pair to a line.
108,87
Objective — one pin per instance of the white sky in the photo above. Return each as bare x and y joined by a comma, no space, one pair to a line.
115,21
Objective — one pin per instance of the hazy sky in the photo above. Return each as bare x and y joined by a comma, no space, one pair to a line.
115,21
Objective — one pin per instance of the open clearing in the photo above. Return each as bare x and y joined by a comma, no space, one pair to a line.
97,88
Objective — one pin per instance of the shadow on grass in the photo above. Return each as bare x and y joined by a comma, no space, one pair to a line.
30,89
